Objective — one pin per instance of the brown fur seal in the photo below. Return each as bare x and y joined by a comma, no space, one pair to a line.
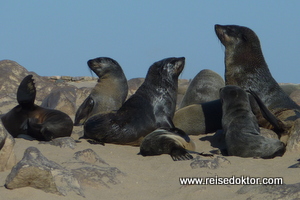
108,94
152,106
242,133
35,121
171,141
203,88
245,66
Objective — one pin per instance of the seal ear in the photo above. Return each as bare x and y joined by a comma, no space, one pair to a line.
26,92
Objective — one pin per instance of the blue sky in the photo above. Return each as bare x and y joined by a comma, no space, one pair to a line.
58,37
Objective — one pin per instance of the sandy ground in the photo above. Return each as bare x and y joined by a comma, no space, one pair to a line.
155,177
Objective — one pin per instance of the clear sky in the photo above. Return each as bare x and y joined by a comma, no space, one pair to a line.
58,37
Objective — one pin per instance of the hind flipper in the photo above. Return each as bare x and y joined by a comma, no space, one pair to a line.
26,92
84,111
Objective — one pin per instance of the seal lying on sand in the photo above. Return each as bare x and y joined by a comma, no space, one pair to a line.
35,121
152,106
242,133
246,67
171,141
108,94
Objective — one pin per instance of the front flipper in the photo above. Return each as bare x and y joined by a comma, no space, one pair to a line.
26,92
180,154
278,124
84,111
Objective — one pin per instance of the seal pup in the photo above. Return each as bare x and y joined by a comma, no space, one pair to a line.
242,133
171,141
38,122
108,94
152,106
203,88
245,66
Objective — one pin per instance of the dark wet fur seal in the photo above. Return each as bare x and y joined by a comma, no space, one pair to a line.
108,94
242,133
152,106
245,66
171,141
38,122
203,88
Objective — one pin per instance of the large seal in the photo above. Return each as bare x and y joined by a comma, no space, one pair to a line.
152,106
245,66
203,88
242,133
40,123
171,141
108,94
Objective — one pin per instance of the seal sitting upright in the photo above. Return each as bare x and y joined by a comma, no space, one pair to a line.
242,133
245,66
40,123
108,94
152,106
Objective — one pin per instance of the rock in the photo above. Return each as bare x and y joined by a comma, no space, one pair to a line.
7,155
295,96
213,163
289,88
62,142
35,170
133,85
268,133
92,171
266,192
62,98
293,143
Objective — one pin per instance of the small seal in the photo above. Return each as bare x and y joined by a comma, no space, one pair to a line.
203,88
108,94
242,133
29,119
152,106
245,66
171,141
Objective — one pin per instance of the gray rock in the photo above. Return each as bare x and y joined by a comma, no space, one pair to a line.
295,96
212,163
266,192
62,142
35,170
7,155
293,143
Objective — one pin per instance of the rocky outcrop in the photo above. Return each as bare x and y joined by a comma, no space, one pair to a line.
7,155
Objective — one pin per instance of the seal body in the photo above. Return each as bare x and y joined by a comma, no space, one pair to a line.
242,133
171,141
108,94
152,106
203,88
245,66
35,121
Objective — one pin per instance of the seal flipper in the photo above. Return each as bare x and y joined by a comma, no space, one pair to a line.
180,154
26,92
278,124
83,112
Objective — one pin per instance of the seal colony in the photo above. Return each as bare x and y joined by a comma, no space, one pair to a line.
108,94
38,122
245,66
151,107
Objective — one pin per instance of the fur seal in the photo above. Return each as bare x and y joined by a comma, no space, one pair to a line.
171,141
242,133
152,106
245,66
38,122
203,88
108,94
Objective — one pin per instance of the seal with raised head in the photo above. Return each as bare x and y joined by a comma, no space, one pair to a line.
242,133
108,94
152,106
38,122
203,88
245,66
